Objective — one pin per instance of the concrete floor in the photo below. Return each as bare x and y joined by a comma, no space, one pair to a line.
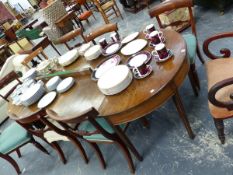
166,147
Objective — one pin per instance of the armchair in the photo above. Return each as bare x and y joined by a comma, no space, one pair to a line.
220,83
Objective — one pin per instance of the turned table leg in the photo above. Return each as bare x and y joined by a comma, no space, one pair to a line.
220,129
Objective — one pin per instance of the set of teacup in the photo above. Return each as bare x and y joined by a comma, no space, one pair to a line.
157,40
115,37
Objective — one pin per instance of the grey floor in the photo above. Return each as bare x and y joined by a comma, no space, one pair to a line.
166,147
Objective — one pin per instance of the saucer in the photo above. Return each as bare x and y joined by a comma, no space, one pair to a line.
105,66
144,56
111,48
137,76
158,60
65,85
47,99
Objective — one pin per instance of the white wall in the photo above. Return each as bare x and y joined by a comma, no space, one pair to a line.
24,3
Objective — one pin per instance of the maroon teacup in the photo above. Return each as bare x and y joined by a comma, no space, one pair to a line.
150,28
156,37
115,37
160,51
103,43
138,66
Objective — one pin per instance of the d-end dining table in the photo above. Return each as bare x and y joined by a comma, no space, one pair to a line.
140,98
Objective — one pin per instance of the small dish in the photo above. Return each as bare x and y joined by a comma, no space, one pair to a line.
130,37
68,58
137,76
93,52
111,48
65,85
83,48
105,66
143,56
158,60
47,99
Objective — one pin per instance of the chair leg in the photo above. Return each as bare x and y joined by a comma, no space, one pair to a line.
119,11
220,129
12,162
127,155
18,152
199,55
125,139
39,146
195,75
192,81
80,148
55,49
98,153
59,151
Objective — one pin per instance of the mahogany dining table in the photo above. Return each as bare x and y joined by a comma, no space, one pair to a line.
140,98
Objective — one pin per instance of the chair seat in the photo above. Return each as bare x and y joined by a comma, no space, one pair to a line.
12,137
218,70
85,15
87,126
191,42
107,5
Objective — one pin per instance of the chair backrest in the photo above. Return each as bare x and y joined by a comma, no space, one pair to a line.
15,47
90,115
167,6
100,31
33,55
6,80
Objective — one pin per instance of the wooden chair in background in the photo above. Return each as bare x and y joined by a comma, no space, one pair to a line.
70,36
108,9
191,39
9,80
220,83
33,54
95,129
100,31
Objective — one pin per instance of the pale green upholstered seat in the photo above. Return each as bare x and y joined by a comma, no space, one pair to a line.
87,126
191,43
12,137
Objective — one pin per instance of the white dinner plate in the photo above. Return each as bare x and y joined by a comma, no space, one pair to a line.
47,99
68,58
134,47
65,84
130,37
113,48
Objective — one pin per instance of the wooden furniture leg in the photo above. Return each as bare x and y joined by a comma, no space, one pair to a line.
59,151
128,143
220,129
39,146
18,153
180,108
199,55
11,161
192,81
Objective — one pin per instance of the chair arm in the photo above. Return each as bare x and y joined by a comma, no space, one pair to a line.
213,91
225,53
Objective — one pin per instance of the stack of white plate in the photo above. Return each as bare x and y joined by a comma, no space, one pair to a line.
115,80
52,83
84,48
68,57
32,94
65,84
93,52
31,74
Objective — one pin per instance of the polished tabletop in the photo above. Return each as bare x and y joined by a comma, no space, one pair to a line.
140,98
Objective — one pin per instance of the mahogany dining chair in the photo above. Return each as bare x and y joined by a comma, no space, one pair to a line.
12,139
100,31
191,39
96,129
220,83
71,36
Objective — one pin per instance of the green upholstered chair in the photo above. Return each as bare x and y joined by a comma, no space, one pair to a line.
191,39
11,139
95,129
